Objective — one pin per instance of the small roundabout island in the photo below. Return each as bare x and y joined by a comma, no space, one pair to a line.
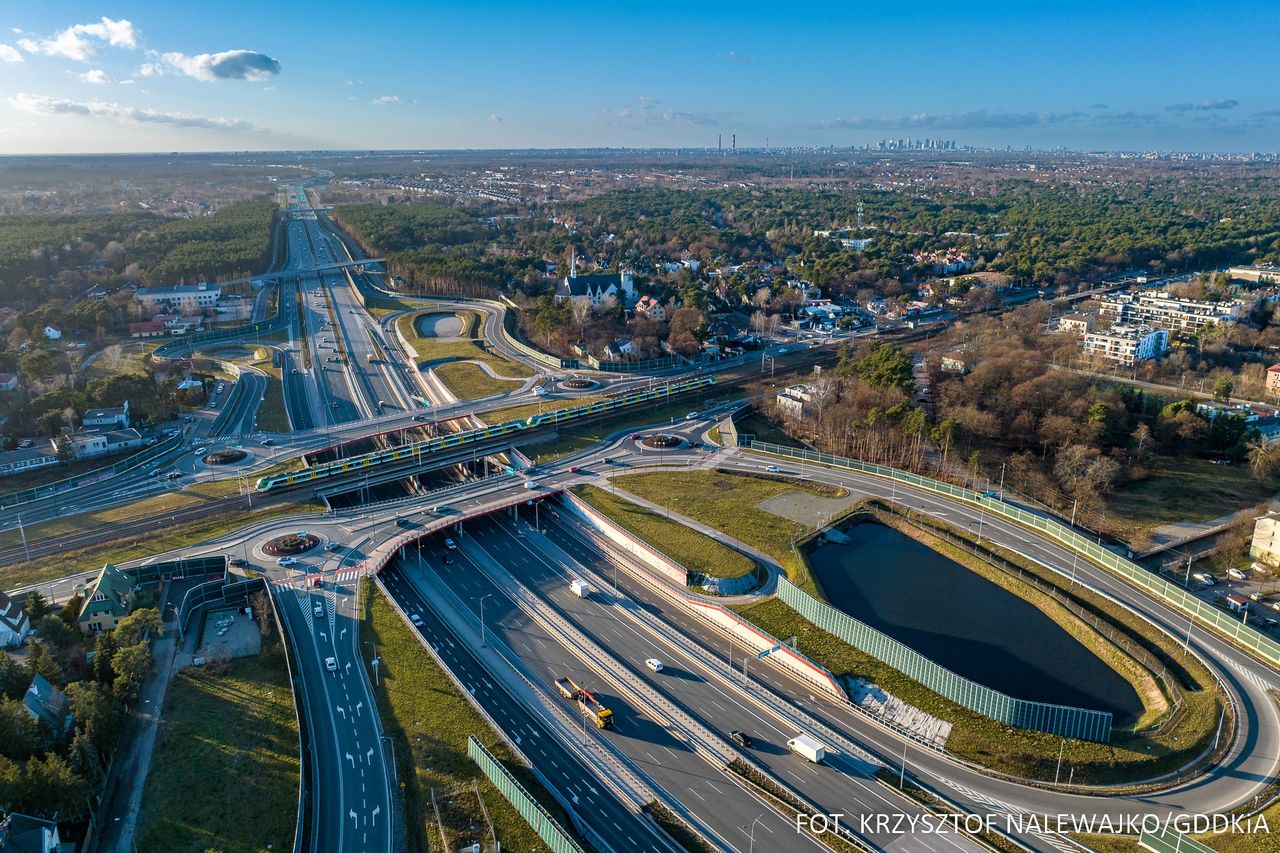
577,383
224,457
661,441
290,544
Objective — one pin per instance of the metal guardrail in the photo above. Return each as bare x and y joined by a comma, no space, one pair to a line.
1061,720
1226,625
106,472
530,809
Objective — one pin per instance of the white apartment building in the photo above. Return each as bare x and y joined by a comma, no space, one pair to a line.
183,298
794,399
1127,344
1159,310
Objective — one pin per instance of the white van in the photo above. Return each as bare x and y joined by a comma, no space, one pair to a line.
1237,575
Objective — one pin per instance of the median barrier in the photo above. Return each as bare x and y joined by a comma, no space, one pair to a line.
557,840
660,563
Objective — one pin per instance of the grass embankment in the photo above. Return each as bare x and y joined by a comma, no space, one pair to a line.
1186,489
575,436
689,548
448,356
225,771
1129,757
161,538
130,358
272,416
763,429
511,413
731,503
428,722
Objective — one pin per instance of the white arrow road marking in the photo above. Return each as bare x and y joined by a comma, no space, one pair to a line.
370,755
342,633
376,809
355,821
342,711
359,705
352,760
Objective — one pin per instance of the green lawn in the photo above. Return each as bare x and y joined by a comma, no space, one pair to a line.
764,429
428,722
575,436
689,548
272,416
1188,489
225,771
469,381
156,541
132,359
511,413
730,503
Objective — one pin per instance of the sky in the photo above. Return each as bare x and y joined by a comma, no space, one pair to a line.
91,76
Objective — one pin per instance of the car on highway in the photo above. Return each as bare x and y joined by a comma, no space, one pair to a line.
25,443
421,418
449,544
575,469
334,404
415,619
742,739
286,561
382,404
268,442
173,475
531,484
402,522
201,450
774,469
318,609
239,562
692,416
440,508
331,664
446,558
653,664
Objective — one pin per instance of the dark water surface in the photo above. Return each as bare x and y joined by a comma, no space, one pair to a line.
964,622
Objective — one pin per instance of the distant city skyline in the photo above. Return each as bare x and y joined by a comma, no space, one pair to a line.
144,76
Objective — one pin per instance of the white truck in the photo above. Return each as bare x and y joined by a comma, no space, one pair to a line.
807,748
580,588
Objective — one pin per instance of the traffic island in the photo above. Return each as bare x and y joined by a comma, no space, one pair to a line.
662,441
290,544
225,457
578,384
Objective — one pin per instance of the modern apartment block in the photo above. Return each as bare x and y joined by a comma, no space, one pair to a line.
1127,344
1159,310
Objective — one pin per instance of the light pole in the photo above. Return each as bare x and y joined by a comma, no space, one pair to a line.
482,598
1061,750
751,835
23,533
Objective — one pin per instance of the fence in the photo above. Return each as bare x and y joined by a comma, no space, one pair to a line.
106,472
556,839
1036,716
184,568
1227,625
218,592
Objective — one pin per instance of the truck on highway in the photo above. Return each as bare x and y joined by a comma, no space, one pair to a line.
589,705
807,748
371,358
580,588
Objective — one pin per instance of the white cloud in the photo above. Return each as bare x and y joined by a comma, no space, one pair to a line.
650,112
97,76
8,53
494,117
386,100
42,105
227,65
78,42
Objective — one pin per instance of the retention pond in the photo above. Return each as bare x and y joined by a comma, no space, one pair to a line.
964,622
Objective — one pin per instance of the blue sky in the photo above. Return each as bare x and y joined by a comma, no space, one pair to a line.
160,76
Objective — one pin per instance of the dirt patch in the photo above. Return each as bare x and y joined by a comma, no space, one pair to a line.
806,509
438,326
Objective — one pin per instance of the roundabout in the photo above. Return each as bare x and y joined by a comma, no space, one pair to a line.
229,456
577,383
290,544
661,441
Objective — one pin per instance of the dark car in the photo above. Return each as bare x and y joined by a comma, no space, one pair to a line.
239,562
742,739
402,522
334,404
447,558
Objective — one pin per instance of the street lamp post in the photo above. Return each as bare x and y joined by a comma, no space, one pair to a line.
375,661
482,598
751,835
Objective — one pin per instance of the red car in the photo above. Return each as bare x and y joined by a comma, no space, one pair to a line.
575,470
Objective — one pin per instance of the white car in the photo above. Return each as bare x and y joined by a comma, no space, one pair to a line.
287,561
415,619
774,469
318,610
654,664
202,450
331,664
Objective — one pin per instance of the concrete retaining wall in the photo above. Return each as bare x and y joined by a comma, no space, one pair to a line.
660,563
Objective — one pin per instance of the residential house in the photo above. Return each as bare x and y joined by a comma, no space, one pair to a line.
1126,345
1265,545
28,459
20,833
183,298
48,705
109,600
109,418
15,627
957,361
796,400
89,445
618,349
52,332
147,329
650,308
1273,380
1076,324
9,382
